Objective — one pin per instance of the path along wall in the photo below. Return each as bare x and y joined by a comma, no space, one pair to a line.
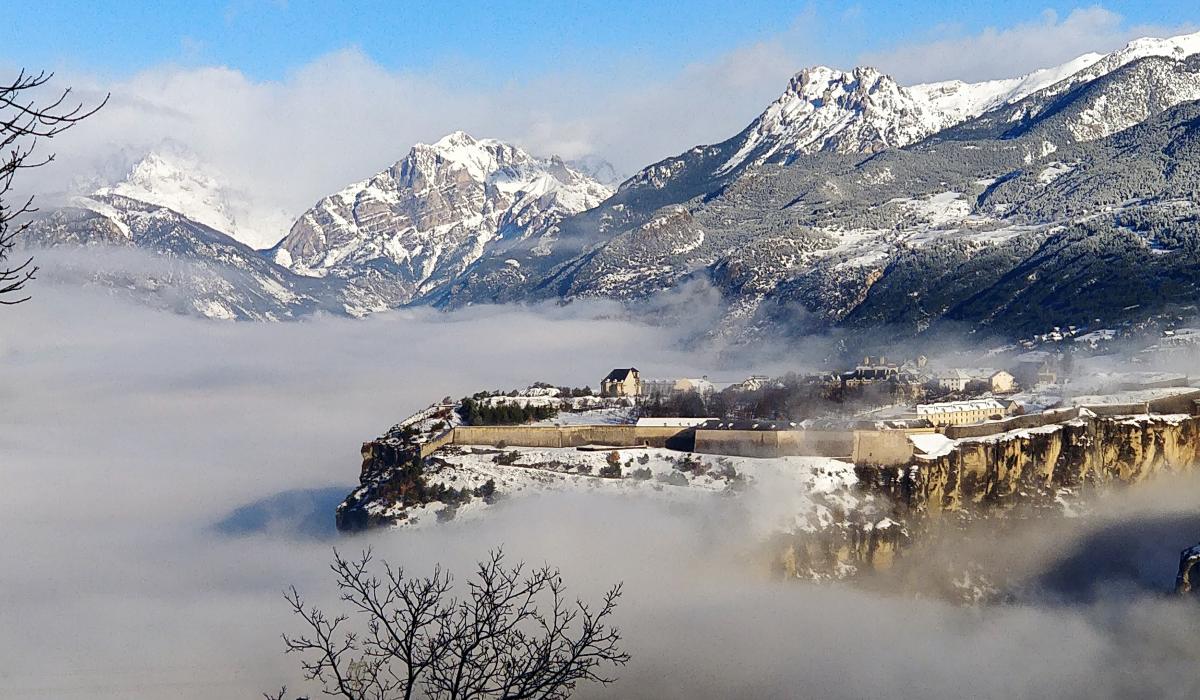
576,435
867,446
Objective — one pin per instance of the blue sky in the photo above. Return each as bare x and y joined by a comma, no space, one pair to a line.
289,101
506,41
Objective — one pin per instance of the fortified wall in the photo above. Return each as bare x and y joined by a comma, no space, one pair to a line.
884,447
888,447
619,435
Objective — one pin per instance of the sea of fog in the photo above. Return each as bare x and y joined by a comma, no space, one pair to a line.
163,479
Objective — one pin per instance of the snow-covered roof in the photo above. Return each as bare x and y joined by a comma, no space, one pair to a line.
1133,396
673,422
932,444
927,409
955,374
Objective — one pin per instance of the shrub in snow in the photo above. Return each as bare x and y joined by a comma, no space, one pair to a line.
727,471
691,464
507,458
673,479
642,473
487,491
611,471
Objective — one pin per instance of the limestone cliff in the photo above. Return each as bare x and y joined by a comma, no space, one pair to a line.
1047,468
390,476
1036,466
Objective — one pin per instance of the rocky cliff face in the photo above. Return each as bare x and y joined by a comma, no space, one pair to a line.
424,220
191,268
1044,470
390,475
1189,564
1037,466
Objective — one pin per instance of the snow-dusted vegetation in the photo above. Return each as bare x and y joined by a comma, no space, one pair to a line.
804,491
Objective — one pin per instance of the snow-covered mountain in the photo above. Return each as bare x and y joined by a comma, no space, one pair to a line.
431,215
851,202
865,111
171,261
179,182
597,168
175,178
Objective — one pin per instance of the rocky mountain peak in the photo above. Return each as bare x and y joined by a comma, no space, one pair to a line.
178,181
455,139
435,212
824,109
819,85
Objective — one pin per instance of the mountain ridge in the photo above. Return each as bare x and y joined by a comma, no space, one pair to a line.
836,207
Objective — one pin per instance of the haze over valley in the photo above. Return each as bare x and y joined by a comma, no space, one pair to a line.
629,351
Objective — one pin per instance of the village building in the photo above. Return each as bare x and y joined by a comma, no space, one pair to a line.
1037,367
754,382
1002,382
700,386
954,380
873,370
664,388
622,382
965,412
657,388
977,379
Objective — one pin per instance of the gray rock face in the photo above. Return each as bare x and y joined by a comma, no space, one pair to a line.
428,217
1188,580
1062,197
190,269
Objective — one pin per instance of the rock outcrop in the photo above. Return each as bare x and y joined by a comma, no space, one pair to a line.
1041,469
1035,467
1188,580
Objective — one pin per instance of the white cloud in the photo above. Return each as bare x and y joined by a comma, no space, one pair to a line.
131,432
1010,51
342,117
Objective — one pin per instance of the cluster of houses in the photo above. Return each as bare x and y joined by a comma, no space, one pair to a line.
628,383
950,397
976,392
1030,369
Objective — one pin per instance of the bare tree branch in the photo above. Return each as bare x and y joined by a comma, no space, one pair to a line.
512,636
23,121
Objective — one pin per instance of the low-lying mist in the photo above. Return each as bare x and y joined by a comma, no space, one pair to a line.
164,478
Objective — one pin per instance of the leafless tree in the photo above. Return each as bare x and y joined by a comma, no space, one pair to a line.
514,635
23,121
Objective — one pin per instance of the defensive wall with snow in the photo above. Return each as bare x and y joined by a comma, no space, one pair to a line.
859,446
883,446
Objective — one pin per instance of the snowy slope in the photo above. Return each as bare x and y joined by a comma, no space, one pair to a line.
787,493
957,101
177,179
435,212
864,110
171,261
180,183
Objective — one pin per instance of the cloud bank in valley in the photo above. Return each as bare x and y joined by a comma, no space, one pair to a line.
131,434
